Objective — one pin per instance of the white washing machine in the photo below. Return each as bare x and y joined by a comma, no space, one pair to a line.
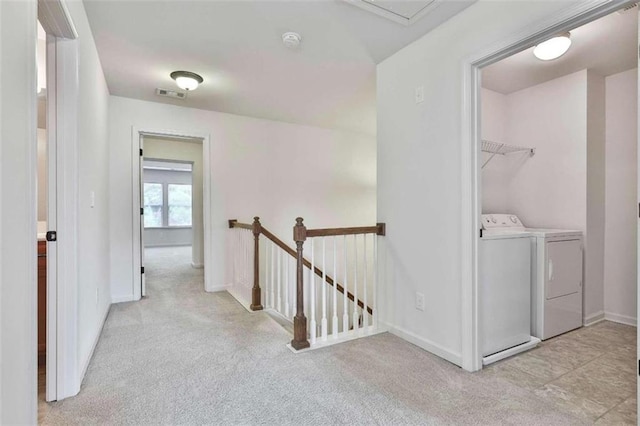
504,294
556,272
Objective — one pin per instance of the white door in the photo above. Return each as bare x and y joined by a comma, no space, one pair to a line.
52,223
638,232
143,289
564,268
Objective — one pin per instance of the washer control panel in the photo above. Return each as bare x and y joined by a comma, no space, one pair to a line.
501,221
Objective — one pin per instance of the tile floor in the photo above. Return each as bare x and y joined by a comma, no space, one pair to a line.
590,372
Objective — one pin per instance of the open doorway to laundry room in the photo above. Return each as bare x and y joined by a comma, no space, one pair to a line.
557,187
172,237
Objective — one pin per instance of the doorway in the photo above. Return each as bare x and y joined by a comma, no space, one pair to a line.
171,199
169,195
558,152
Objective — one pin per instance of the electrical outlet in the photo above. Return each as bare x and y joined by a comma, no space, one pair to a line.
420,301
419,94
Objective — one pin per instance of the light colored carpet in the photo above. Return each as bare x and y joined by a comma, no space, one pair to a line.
183,356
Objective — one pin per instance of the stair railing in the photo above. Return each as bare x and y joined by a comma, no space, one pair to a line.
351,257
358,316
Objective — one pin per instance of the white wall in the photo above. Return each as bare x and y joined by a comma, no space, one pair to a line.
593,290
548,190
620,255
495,182
94,295
420,167
182,236
18,365
270,169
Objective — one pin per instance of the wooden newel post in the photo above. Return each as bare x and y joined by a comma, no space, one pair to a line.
256,292
299,321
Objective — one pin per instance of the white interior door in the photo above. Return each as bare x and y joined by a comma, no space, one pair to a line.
638,228
143,284
52,223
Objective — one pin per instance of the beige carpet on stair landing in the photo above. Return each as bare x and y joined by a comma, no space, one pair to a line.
183,356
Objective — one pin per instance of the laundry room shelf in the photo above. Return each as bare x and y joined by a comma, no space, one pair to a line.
497,148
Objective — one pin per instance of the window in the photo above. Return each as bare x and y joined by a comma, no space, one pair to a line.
179,198
175,211
153,205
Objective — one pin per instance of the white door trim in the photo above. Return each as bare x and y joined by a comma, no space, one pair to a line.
572,17
63,378
207,176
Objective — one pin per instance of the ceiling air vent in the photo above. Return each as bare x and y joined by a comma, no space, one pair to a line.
171,93
627,8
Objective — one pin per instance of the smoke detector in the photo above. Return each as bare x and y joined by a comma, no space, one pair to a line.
170,93
291,40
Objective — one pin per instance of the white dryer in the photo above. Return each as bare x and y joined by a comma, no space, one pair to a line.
557,275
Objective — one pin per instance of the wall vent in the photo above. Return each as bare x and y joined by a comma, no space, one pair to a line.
170,93
627,8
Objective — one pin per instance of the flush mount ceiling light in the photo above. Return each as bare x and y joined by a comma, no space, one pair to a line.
553,48
186,80
291,40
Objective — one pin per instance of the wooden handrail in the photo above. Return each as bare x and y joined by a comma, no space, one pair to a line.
277,241
379,229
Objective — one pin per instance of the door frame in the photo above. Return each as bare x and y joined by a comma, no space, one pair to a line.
570,18
62,378
207,176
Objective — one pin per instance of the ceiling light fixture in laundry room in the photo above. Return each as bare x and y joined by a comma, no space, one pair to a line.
553,48
186,80
291,40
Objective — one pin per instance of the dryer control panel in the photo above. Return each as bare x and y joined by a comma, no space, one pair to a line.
501,221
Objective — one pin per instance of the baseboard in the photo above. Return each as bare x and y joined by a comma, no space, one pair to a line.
93,346
622,319
216,288
121,299
197,265
425,344
593,319
236,295
167,245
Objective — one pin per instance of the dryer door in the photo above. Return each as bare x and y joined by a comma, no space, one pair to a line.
563,269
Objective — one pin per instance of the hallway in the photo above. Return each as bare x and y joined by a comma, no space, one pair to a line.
185,356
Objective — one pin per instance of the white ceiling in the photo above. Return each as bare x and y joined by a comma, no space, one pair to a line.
606,46
236,46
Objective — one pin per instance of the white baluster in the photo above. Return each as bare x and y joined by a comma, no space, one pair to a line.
345,308
273,264
294,288
365,313
334,318
279,282
375,280
323,323
355,283
266,275
312,293
287,286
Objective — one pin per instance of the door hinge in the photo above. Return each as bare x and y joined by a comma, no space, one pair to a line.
52,236
141,210
141,152
142,270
